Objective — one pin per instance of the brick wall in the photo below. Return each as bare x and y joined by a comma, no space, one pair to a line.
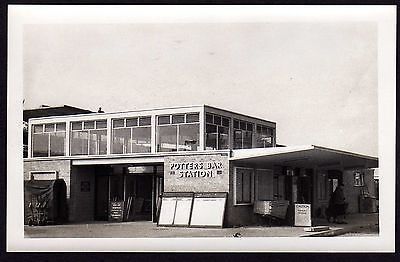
63,167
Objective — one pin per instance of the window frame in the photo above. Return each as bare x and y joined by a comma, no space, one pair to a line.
157,149
235,193
243,128
48,134
83,129
131,132
218,126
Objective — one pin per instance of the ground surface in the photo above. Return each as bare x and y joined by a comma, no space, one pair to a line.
358,225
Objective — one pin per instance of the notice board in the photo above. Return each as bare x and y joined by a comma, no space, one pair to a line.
175,209
116,211
208,210
302,215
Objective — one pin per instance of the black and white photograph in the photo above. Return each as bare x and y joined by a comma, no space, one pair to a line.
201,128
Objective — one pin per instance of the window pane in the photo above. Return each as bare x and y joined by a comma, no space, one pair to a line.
131,122
176,119
79,143
145,121
237,139
167,138
247,187
101,124
225,122
49,127
188,137
211,137
98,142
209,118
247,136
118,123
40,144
88,125
223,137
76,125
192,118
141,140
120,140
236,123
60,127
57,144
163,120
217,120
38,128
258,129
239,186
242,125
249,127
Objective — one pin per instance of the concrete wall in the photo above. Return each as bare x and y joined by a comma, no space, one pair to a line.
82,201
352,193
181,173
236,215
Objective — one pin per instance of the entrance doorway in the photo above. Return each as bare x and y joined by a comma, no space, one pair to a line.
138,192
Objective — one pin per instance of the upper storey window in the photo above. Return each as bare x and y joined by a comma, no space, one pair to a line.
264,136
179,132
243,134
89,137
48,140
217,132
131,135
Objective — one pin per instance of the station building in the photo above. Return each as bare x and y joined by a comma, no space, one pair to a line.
144,154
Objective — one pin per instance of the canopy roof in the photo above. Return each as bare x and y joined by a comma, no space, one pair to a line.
303,156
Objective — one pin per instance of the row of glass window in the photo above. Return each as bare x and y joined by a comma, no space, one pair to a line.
177,132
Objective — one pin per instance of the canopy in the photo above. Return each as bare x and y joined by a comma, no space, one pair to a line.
303,156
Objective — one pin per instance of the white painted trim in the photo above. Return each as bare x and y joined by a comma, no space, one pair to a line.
202,130
32,173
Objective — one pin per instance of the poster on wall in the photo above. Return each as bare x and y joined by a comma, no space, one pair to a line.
208,210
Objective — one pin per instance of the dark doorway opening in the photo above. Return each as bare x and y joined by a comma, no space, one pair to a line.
138,192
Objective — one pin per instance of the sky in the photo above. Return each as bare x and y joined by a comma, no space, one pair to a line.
317,81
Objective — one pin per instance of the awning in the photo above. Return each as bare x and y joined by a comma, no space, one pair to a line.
303,156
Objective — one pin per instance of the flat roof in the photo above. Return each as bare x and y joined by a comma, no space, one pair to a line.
150,110
303,156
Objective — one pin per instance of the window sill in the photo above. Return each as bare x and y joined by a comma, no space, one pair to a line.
243,204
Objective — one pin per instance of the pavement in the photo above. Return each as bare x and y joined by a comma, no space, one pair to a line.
357,223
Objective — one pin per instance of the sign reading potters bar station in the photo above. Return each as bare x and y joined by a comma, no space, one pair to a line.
201,173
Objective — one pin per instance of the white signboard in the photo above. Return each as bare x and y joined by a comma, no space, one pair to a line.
196,173
208,211
302,215
183,209
167,211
